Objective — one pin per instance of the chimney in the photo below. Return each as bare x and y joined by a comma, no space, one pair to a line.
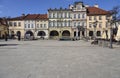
86,5
70,6
96,5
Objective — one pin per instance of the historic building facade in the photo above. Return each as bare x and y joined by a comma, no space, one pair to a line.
42,26
3,28
29,26
65,22
97,22
16,26
78,20
60,23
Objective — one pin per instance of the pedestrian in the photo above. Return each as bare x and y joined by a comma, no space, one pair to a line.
19,37
6,39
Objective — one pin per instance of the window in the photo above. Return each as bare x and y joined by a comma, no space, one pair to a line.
49,24
28,25
61,24
49,15
95,18
98,33
69,23
90,25
37,25
19,23
74,15
53,15
15,24
31,25
90,33
78,15
100,17
69,15
83,15
44,25
90,17
57,24
74,24
10,23
57,15
41,25
78,23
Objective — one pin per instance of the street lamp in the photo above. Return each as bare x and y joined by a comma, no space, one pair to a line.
95,25
111,31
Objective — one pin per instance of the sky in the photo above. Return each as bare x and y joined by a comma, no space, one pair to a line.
13,8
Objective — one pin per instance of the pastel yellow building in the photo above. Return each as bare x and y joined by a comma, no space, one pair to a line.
16,26
97,22
32,25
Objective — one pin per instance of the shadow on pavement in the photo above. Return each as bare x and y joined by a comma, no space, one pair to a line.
8,44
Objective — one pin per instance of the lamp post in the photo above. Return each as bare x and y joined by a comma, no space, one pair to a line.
111,31
95,25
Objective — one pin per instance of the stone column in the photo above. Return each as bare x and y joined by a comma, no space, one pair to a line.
81,35
76,33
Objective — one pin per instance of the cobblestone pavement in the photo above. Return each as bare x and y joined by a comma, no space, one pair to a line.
58,59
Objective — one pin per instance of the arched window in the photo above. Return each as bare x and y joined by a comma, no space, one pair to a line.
98,33
90,33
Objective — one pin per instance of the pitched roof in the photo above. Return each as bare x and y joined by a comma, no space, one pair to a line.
96,11
17,18
42,17
31,17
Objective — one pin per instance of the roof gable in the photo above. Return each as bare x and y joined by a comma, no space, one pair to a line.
96,11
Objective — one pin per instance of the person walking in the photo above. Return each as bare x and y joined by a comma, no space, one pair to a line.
6,37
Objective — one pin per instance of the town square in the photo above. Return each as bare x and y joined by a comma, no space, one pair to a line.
58,59
60,39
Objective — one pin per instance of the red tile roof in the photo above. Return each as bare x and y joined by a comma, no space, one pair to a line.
96,11
17,18
31,17
42,17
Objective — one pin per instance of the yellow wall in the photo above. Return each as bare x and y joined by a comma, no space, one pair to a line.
103,22
17,28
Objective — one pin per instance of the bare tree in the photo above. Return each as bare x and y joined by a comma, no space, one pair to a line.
116,16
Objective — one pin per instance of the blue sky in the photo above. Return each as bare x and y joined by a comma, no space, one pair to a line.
17,7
